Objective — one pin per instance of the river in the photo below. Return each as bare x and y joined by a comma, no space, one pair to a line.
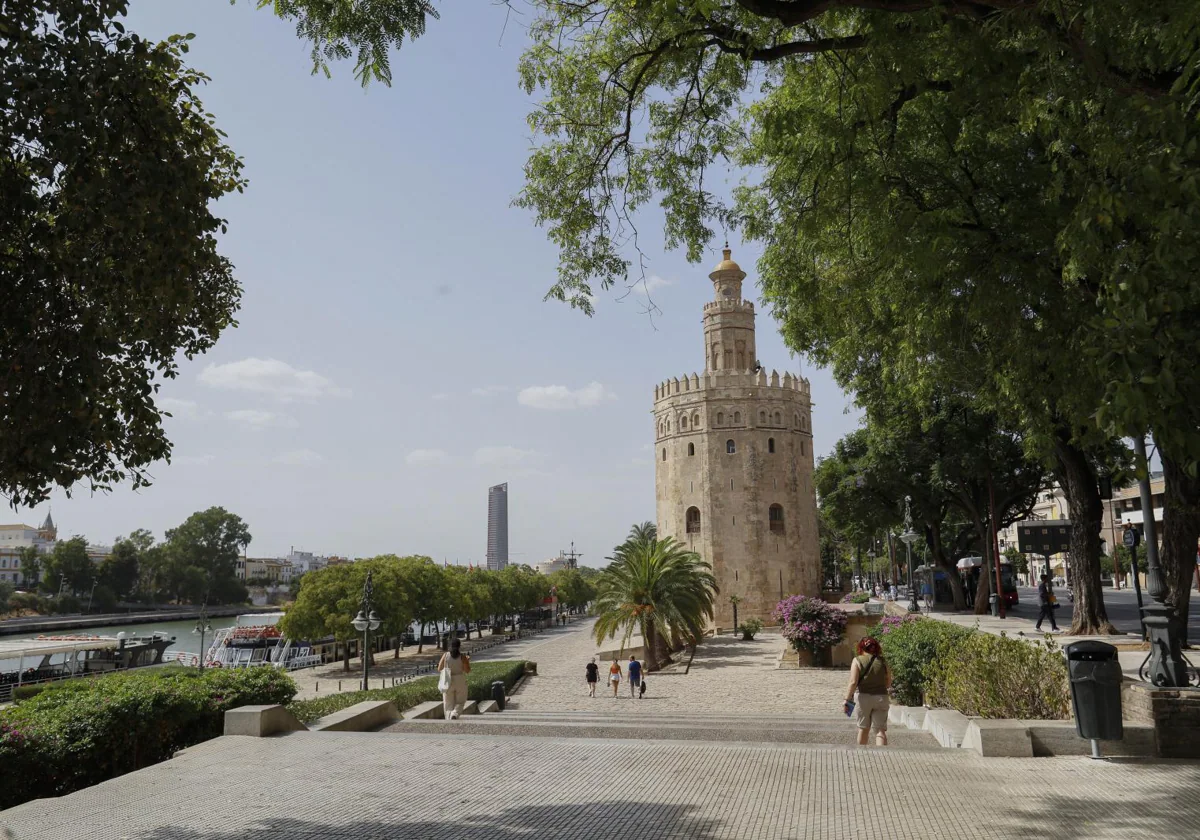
185,640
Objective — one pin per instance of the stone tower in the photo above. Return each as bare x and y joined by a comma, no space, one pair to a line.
734,463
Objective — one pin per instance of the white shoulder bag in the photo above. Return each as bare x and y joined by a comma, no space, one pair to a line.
444,677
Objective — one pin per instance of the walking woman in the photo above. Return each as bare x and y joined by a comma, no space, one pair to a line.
871,679
614,676
458,664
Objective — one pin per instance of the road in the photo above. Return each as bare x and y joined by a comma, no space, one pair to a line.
1121,604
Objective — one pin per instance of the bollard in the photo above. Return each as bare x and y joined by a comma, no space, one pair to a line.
339,685
316,687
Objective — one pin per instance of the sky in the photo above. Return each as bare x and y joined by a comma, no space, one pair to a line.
394,357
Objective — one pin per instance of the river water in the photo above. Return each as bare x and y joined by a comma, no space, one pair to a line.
185,640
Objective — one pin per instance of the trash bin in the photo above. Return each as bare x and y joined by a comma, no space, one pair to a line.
1095,675
994,603
498,694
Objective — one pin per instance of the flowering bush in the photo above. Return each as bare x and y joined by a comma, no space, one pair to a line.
857,598
892,622
810,623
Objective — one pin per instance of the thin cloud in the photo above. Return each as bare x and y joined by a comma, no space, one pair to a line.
194,460
562,398
253,418
270,377
504,456
440,397
182,409
426,456
299,458
488,390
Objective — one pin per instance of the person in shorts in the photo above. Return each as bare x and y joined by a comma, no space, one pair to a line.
614,677
635,676
592,677
867,693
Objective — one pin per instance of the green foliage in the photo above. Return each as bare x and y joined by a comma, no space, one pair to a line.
996,677
206,548
750,628
31,566
409,694
573,588
69,560
365,30
6,592
657,587
109,169
84,732
909,650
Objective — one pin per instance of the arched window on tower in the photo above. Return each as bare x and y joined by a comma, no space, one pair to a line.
664,453
775,518
741,360
696,420
770,444
683,422
691,449
778,419
730,448
737,417
720,418
762,417
692,517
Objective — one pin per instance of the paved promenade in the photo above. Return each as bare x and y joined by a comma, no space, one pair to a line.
366,786
727,675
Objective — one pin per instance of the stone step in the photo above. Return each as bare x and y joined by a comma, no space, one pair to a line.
692,721
815,732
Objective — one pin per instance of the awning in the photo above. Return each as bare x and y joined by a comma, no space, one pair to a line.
16,648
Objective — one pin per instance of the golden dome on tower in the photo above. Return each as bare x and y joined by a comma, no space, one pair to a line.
727,263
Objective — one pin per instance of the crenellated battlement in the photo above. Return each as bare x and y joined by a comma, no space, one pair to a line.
729,306
715,380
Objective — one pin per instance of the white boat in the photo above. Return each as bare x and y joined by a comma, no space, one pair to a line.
257,640
64,656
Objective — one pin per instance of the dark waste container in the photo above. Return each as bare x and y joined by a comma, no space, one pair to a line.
498,694
1096,678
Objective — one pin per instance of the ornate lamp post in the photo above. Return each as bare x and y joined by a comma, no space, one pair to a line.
1167,667
365,622
870,563
910,536
203,627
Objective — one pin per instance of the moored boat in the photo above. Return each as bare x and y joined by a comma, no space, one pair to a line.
257,640
61,657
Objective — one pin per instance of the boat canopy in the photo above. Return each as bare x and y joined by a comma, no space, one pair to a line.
259,619
17,648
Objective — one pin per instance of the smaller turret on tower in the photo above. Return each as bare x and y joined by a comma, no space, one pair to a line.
48,531
729,320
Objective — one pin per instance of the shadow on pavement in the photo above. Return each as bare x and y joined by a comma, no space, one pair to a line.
589,820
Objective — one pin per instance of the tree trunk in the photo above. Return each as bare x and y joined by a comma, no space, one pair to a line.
421,638
650,638
1180,534
346,657
1079,483
933,538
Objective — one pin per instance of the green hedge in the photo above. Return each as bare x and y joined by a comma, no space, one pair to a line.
479,687
909,649
83,732
996,677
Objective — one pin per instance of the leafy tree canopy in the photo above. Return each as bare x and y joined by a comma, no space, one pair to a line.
109,167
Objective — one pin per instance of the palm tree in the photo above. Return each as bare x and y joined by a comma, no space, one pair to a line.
657,587
644,532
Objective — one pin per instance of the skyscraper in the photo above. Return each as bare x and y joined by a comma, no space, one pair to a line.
497,535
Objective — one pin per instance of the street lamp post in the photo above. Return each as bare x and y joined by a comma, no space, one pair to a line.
366,621
909,537
1167,667
202,628
870,564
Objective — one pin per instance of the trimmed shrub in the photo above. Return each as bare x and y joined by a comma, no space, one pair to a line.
997,677
891,622
479,687
750,628
83,732
909,647
857,598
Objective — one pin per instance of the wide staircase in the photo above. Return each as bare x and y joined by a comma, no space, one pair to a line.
617,724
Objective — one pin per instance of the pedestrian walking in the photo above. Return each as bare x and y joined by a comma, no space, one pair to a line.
1046,604
614,676
592,677
635,676
894,592
454,667
867,694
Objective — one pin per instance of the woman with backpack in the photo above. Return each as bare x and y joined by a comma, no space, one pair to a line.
870,680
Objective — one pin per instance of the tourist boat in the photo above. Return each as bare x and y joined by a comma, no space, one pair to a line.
49,658
257,640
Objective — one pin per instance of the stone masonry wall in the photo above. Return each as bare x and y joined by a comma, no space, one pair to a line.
1173,712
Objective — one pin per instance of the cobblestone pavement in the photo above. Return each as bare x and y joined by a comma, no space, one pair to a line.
366,786
727,675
